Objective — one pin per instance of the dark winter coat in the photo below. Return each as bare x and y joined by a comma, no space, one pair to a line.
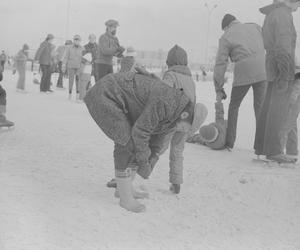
280,37
243,44
133,106
107,49
44,53
91,48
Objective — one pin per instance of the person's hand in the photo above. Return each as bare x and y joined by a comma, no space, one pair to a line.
282,86
221,95
144,170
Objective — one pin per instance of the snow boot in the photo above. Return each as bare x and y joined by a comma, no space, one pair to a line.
175,188
124,187
112,183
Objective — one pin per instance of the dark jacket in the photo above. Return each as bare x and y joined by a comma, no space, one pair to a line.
133,106
107,49
91,48
280,37
243,44
44,53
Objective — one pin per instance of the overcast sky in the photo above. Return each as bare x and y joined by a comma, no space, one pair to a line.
145,24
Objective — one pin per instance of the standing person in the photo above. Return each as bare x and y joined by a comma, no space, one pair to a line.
3,59
85,75
60,53
108,47
131,109
279,36
179,76
243,44
20,66
92,48
289,131
44,56
3,121
72,62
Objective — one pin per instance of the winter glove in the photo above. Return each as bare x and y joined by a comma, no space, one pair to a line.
282,86
221,95
145,170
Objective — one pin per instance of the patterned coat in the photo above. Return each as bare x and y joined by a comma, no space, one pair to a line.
134,106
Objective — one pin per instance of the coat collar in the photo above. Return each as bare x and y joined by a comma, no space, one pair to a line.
181,69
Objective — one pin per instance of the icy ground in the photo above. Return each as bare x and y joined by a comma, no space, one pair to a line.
55,164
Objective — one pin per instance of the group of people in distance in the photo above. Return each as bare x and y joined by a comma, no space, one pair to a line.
145,115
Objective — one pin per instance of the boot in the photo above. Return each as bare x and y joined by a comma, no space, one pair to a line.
175,188
280,158
136,193
124,187
3,121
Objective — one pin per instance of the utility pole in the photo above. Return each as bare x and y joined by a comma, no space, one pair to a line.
210,10
68,19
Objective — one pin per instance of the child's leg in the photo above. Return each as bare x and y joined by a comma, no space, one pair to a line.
176,158
123,156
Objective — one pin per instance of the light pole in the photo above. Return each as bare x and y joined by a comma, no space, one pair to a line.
68,19
210,11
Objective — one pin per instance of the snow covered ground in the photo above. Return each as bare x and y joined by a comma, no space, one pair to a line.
55,164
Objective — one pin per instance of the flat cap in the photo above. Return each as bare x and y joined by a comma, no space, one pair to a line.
111,23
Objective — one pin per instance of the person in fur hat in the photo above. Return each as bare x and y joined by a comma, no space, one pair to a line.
137,111
3,121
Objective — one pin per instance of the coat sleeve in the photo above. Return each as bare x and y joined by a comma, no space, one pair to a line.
66,56
153,114
284,36
221,64
104,47
39,52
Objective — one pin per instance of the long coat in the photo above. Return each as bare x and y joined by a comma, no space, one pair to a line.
133,106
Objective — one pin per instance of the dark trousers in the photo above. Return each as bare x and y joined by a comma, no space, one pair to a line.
60,76
124,156
237,96
102,70
271,121
2,96
3,64
46,78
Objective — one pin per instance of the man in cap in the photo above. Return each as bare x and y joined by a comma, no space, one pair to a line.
243,44
72,63
108,47
44,56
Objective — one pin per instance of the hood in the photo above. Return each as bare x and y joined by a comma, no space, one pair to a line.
269,8
177,56
184,70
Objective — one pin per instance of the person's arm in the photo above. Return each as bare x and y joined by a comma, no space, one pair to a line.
219,107
104,47
169,79
284,36
221,64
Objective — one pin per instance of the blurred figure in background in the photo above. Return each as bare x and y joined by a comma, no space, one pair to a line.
85,75
60,51
3,59
72,63
44,56
20,66
3,121
92,48
108,48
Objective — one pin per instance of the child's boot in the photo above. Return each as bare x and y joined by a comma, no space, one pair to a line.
124,187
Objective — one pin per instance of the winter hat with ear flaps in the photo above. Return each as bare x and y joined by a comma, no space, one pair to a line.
227,20
209,133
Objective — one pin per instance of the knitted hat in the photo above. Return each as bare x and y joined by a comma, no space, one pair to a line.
227,20
177,56
209,133
111,23
49,37
25,47
127,64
